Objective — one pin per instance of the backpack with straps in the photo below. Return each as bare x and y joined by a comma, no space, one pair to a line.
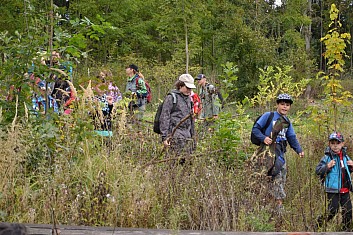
156,122
253,138
149,90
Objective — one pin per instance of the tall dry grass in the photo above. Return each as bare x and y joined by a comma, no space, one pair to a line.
56,169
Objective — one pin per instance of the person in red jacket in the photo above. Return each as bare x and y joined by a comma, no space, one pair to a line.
195,98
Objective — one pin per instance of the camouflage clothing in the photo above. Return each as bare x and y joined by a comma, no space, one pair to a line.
171,117
180,146
182,142
278,183
210,100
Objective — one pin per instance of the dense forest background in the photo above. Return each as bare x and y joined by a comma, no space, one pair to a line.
251,34
55,170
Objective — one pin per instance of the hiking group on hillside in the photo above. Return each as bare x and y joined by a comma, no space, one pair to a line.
175,121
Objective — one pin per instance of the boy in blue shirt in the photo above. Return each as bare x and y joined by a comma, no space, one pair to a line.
335,167
277,134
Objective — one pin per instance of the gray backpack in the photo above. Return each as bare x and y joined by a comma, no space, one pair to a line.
156,122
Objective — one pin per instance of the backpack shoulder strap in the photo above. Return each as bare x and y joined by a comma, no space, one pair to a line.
137,80
268,122
174,100
288,120
174,97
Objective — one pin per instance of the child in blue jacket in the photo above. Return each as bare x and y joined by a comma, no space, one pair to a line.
335,167
278,134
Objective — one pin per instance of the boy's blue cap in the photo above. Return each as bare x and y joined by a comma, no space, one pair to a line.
336,136
284,97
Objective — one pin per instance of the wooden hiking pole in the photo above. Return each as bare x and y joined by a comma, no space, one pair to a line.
177,126
171,136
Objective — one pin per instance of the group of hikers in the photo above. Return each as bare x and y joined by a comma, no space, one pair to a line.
274,131
55,93
176,126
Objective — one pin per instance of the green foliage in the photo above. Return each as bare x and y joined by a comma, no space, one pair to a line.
294,16
105,182
229,79
260,221
228,136
57,163
253,35
81,36
335,43
274,81
43,136
334,93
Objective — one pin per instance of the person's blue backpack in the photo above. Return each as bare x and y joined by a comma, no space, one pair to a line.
253,138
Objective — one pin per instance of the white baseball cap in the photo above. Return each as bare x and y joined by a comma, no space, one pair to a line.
188,80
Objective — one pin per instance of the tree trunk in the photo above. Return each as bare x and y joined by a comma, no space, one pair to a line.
307,29
351,57
213,54
51,33
322,59
186,48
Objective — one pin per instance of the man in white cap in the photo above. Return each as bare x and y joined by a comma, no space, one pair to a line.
177,113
